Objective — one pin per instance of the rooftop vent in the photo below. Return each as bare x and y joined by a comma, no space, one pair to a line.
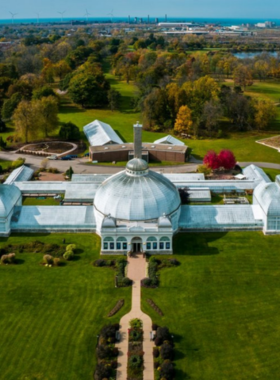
106,147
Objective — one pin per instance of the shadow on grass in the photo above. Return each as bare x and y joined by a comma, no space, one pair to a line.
196,244
64,109
181,375
76,258
78,251
20,261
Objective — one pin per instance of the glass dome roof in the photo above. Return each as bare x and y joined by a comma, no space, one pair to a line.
268,197
137,194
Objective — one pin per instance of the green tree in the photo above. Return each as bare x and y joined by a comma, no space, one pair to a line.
69,131
47,109
88,90
10,105
44,91
212,112
114,98
155,110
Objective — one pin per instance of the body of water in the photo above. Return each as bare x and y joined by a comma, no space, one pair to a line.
251,55
219,21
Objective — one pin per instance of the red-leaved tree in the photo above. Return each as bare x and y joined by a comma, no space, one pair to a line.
211,160
226,159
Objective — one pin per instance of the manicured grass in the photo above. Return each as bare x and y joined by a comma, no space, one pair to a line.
272,173
33,201
50,317
5,164
243,145
222,305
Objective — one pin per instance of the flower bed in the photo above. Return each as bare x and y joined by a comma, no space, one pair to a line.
107,353
163,354
135,363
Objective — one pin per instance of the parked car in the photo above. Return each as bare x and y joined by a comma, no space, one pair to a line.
73,155
86,154
52,157
66,158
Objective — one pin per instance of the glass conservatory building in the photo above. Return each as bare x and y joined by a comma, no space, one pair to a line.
139,209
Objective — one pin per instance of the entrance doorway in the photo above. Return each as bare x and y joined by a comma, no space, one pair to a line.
136,245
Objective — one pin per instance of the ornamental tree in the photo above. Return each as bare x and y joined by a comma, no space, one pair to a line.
226,159
183,123
211,159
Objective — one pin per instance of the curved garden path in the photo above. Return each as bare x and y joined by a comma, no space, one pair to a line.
136,272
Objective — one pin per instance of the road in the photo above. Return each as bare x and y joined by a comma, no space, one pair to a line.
81,165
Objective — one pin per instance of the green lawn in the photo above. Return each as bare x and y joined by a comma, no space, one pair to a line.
5,164
272,173
50,317
243,146
222,305
33,201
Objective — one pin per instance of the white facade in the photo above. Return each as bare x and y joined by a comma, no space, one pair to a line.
139,209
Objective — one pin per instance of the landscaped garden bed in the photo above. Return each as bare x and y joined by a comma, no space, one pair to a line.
107,353
119,265
54,254
155,264
163,354
135,364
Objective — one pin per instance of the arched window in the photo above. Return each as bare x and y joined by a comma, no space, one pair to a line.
121,243
108,243
164,243
152,243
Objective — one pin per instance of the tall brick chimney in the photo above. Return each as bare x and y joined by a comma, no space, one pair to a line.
137,140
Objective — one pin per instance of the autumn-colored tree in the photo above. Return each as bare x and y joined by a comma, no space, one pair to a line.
242,76
265,113
61,68
211,160
26,120
226,159
184,122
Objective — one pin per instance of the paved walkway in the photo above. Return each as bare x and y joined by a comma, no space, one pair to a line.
80,165
136,271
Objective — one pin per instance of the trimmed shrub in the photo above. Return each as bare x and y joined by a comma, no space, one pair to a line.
48,259
71,247
167,370
68,255
154,327
135,361
56,262
135,335
166,351
99,263
155,352
146,282
136,323
8,259
163,333
102,371
108,332
127,281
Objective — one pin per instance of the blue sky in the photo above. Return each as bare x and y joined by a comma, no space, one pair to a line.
263,9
